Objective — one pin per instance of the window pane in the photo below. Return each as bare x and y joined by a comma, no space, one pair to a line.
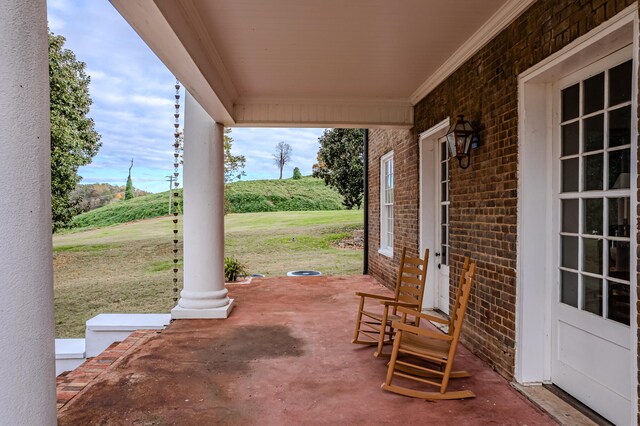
619,261
570,96
443,214
593,169
443,191
569,252
619,214
593,216
570,216
569,288
570,138
443,171
444,235
592,255
593,96
594,133
620,84
619,302
619,166
570,175
443,151
620,127
444,253
592,295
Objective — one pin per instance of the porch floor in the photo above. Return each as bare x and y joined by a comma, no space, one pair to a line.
283,357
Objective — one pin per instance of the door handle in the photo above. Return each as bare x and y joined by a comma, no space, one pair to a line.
439,266
437,254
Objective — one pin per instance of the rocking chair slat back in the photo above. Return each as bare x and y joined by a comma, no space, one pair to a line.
423,344
409,291
456,302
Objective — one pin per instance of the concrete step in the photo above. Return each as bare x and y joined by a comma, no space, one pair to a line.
70,353
104,329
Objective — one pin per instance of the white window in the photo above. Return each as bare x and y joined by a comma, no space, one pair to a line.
595,166
386,204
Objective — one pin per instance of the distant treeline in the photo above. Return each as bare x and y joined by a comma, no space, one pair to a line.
94,195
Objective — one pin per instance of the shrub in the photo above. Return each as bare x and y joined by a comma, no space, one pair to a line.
233,268
297,174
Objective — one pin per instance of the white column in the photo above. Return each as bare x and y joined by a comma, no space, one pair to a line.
27,359
204,294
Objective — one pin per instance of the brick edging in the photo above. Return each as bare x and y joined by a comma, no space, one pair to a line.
71,384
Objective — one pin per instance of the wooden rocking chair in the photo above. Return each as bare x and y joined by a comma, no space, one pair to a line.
413,343
375,328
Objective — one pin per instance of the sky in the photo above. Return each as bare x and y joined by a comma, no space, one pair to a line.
133,94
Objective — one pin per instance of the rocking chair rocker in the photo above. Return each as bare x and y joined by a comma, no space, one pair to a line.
412,343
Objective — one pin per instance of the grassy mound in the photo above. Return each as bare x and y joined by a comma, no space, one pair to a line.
304,194
145,207
282,195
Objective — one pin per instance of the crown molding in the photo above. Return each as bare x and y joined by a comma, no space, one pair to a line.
494,25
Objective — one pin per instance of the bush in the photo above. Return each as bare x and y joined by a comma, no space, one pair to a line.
297,174
233,268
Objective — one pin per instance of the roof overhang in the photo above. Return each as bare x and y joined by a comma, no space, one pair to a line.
330,63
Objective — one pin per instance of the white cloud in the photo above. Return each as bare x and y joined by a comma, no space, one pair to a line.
151,100
55,24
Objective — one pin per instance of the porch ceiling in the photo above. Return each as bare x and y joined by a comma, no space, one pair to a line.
315,63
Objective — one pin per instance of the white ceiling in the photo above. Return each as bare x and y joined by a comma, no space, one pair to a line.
320,52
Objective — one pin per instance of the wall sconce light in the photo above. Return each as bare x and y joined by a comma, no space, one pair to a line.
460,138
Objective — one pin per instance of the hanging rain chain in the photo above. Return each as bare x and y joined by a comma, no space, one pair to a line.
176,194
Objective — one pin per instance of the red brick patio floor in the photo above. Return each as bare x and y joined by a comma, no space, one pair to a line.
284,357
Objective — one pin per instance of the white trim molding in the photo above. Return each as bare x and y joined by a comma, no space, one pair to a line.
354,113
498,22
386,249
436,131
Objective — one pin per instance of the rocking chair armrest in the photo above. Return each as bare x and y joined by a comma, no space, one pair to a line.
374,296
399,325
398,304
420,315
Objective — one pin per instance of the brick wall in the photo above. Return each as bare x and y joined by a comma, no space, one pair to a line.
483,197
406,201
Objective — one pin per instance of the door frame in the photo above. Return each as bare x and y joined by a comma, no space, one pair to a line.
426,141
535,285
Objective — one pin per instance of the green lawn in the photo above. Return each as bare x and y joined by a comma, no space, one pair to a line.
126,268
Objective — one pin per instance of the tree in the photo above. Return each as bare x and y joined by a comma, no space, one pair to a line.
74,140
297,174
128,191
282,155
233,164
341,164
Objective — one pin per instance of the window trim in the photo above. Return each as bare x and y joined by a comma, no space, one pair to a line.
385,250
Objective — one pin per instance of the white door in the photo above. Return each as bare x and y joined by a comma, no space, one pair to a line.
594,225
434,219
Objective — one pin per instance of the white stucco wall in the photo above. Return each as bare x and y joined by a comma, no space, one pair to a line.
27,364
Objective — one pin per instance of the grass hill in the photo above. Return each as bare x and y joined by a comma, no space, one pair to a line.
242,197
277,195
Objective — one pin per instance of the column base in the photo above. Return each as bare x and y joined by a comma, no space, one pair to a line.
212,313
